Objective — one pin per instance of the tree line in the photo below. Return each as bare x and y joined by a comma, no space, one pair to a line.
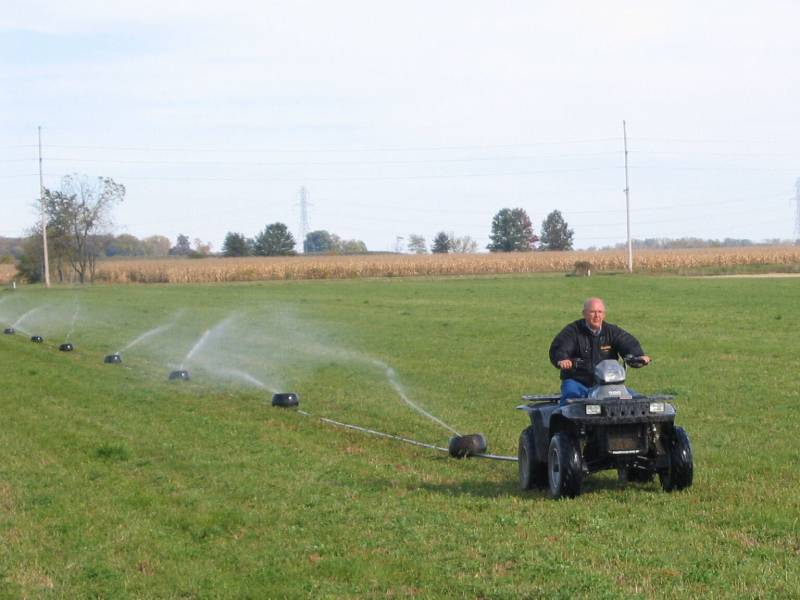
277,240
78,220
512,231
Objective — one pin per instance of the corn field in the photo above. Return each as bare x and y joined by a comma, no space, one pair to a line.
179,270
400,265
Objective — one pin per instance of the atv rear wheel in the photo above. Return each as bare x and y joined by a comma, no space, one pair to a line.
564,466
532,473
680,473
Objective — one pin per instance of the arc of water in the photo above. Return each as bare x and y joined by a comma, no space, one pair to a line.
32,311
74,320
196,347
392,377
241,375
146,335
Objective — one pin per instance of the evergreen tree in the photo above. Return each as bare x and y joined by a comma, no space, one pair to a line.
236,244
319,241
442,243
275,240
512,231
556,235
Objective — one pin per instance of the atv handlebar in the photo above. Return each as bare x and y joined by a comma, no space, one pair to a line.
636,361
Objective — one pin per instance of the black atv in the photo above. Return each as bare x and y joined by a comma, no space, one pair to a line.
611,429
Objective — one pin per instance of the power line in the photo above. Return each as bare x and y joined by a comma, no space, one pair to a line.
337,150
320,163
370,178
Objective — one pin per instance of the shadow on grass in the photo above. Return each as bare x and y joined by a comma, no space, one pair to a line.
510,488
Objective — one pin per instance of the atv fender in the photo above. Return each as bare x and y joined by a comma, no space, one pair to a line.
541,415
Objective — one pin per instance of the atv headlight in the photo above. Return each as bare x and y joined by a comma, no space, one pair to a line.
593,409
656,407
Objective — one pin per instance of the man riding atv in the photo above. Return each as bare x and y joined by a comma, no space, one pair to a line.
582,344
597,423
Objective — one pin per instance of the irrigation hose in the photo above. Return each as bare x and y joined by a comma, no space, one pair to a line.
403,439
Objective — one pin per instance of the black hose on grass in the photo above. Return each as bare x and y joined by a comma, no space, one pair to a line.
404,439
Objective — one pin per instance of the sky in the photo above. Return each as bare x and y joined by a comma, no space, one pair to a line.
410,117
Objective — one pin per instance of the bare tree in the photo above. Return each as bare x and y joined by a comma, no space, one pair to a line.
78,214
463,245
417,244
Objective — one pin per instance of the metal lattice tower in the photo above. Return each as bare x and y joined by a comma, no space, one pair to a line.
304,204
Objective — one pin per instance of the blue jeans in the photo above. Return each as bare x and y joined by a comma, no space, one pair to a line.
571,388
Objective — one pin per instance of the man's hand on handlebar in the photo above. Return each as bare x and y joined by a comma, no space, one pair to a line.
565,365
638,361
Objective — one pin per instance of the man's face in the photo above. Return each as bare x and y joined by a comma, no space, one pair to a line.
594,314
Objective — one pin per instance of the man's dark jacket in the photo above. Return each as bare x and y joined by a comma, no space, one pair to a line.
576,341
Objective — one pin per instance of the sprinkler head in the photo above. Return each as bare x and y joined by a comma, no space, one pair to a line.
66,347
37,339
286,400
9,331
113,359
467,445
181,374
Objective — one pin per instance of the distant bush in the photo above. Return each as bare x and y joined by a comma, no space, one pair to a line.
583,268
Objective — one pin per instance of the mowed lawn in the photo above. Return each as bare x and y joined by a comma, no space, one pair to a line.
115,482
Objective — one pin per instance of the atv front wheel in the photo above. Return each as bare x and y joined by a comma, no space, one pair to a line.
532,473
564,469
681,465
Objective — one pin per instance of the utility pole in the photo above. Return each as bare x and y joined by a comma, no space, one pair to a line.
44,218
797,213
304,204
627,199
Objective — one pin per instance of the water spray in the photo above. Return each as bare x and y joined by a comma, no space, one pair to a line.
459,445
116,357
237,374
196,347
32,311
181,373
67,346
392,377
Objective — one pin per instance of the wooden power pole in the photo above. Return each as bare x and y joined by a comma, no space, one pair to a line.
44,216
627,199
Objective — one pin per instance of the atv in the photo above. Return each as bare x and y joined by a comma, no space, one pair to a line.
612,428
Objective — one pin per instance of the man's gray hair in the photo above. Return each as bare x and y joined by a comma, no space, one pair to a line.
588,301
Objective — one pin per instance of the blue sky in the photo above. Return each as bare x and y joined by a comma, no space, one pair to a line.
408,117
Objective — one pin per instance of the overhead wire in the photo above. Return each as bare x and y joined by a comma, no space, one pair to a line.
301,178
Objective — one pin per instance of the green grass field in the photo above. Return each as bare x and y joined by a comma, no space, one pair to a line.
115,482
